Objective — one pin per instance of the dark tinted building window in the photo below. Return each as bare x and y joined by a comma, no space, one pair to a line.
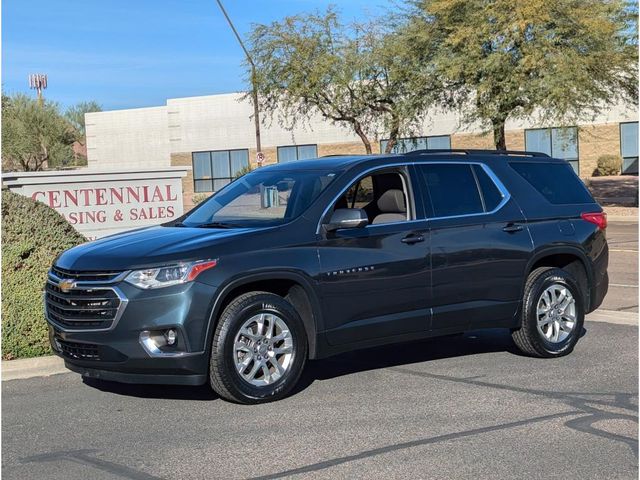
452,189
555,181
490,193
213,170
297,152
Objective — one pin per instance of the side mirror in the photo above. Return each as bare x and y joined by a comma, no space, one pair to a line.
347,218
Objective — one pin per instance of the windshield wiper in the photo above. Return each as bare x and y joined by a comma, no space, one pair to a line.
216,225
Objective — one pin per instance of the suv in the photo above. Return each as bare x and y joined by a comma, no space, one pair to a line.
309,259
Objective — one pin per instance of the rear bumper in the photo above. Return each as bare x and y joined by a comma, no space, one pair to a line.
600,283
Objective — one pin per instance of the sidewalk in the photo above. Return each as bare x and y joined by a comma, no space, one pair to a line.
52,365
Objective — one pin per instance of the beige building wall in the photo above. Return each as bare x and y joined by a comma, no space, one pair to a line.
168,135
124,139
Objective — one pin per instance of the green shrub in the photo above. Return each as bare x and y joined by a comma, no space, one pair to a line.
243,171
32,236
199,197
609,165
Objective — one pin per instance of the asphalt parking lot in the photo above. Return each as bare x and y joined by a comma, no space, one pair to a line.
457,407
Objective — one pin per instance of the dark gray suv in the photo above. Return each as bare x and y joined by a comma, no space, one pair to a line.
305,260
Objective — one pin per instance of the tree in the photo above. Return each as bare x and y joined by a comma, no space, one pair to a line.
34,136
553,60
75,116
352,75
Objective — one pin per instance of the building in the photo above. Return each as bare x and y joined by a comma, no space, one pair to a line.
214,135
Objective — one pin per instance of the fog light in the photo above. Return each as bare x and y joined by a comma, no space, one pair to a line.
171,336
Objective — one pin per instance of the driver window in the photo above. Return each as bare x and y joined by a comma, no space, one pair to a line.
382,196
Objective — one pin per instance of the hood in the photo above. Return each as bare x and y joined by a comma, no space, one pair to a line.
147,247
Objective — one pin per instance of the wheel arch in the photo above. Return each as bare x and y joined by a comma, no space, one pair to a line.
293,286
568,258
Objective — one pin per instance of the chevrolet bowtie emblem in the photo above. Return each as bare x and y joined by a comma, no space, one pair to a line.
67,285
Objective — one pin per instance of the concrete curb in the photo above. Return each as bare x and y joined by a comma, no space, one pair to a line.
622,218
51,365
32,367
613,316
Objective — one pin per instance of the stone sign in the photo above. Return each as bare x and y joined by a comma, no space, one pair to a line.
99,203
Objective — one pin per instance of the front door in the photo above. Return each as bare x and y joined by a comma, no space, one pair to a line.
375,279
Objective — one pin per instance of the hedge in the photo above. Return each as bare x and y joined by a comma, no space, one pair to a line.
32,236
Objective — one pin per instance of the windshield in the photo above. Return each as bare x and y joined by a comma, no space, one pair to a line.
261,199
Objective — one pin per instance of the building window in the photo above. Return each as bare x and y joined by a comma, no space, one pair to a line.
292,153
404,145
213,170
629,147
555,142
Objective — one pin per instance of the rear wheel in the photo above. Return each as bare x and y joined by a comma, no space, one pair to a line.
552,314
259,349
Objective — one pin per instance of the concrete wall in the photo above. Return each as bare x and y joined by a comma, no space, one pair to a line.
135,138
163,136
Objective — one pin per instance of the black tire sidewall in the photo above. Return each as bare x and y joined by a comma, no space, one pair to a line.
230,324
551,277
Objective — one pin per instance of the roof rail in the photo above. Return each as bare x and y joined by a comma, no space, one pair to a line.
471,151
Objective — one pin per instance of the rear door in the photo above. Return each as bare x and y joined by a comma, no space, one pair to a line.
375,280
479,246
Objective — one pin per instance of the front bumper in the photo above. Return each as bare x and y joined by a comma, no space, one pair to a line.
117,354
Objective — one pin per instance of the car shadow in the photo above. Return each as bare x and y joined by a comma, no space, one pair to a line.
476,342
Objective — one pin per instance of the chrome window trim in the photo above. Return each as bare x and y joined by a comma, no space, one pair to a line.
94,286
506,196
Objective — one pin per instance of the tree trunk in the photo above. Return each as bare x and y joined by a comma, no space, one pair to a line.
393,135
360,132
498,134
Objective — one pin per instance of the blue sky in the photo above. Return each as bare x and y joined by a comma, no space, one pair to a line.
137,53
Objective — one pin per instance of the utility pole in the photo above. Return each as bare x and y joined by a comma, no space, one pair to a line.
254,89
38,82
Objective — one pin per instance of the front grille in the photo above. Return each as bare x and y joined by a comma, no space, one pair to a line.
63,274
79,351
81,308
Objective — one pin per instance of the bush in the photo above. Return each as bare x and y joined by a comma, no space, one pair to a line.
609,165
243,171
199,197
32,236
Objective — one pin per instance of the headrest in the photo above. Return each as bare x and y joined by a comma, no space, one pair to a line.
392,201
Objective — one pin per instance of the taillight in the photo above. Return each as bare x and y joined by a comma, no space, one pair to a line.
597,218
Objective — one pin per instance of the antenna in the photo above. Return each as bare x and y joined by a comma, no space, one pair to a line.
38,82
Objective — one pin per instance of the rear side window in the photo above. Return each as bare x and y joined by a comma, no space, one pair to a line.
452,189
490,193
555,181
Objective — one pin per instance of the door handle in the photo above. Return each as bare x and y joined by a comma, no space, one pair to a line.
512,228
412,238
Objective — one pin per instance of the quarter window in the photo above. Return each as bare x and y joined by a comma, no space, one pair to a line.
555,181
629,146
297,152
213,170
404,145
452,188
555,142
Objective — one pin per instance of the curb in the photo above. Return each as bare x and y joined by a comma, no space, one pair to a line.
32,367
46,366
613,316
622,218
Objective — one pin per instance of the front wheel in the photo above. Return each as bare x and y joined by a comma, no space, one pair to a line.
552,314
259,349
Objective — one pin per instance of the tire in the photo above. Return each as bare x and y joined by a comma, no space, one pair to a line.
255,307
529,338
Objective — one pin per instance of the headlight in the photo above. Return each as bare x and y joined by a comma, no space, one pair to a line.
169,275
